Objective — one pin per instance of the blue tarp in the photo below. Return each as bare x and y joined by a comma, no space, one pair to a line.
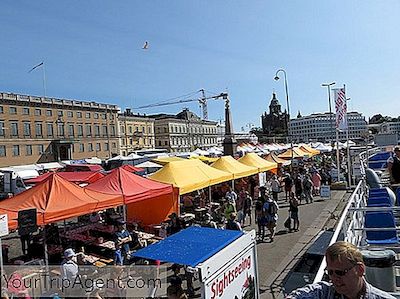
190,246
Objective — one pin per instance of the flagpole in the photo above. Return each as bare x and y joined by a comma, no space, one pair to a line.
44,80
337,154
348,147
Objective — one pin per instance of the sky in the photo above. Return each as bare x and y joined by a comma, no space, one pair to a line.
92,51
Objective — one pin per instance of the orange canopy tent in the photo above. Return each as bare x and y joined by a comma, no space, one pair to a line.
271,157
148,201
297,153
56,199
306,148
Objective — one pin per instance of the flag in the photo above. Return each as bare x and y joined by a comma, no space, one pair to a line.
36,66
341,108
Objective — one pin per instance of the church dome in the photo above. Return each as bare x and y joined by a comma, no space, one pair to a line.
274,101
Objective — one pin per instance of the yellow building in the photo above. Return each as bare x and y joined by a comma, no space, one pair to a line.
136,132
37,129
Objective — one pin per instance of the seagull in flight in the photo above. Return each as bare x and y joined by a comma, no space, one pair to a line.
146,45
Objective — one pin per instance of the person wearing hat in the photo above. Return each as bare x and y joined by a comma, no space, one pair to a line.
121,242
69,267
394,166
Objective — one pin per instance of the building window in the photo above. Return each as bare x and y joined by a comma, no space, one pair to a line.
13,110
97,130
2,128
70,114
49,113
81,147
71,130
104,116
98,147
95,115
38,129
15,150
88,130
60,113
38,112
1,109
87,115
114,145
90,147
40,149
29,150
106,146
2,150
80,130
14,129
79,114
105,130
25,111
49,129
60,129
159,142
112,131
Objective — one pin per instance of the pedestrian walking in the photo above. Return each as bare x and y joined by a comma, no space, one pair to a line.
288,185
298,186
307,189
294,211
275,187
270,209
316,179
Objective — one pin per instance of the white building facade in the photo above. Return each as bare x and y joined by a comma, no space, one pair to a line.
184,132
321,127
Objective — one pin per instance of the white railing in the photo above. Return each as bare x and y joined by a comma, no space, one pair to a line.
350,227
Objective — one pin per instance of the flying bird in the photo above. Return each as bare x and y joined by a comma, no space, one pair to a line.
146,45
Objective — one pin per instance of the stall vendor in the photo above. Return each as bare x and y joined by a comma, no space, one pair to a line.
121,240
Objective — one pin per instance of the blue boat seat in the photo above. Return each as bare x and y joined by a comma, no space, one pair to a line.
381,220
379,201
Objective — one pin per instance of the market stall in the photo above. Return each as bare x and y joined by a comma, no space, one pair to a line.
224,260
229,164
147,201
254,160
56,199
190,175
271,157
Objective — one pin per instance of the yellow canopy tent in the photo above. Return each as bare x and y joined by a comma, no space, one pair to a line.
229,164
297,153
165,160
190,175
252,159
271,157
310,150
208,160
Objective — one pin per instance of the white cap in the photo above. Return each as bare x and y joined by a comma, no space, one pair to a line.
69,253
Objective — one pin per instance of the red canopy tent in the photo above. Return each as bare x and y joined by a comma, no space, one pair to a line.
147,201
131,168
56,199
78,177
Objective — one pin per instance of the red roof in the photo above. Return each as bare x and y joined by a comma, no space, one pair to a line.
131,168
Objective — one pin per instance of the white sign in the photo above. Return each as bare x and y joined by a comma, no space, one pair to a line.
3,225
236,280
325,191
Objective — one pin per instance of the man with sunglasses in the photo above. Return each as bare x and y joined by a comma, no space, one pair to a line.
345,269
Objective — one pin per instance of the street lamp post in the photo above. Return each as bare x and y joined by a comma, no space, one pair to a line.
288,111
330,106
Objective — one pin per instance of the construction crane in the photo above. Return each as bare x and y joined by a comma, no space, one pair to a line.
202,102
